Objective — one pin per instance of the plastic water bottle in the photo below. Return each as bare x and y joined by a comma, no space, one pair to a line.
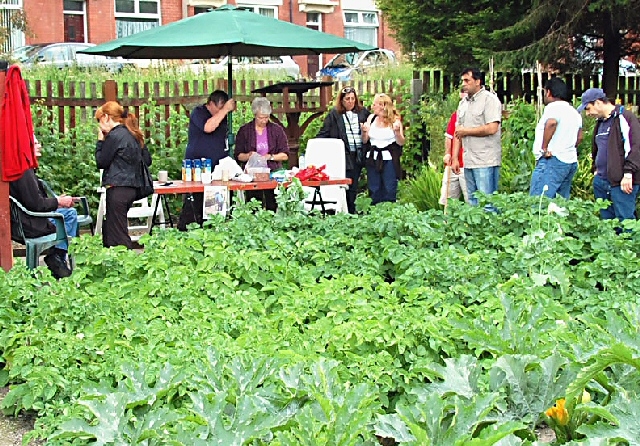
301,162
197,170
187,171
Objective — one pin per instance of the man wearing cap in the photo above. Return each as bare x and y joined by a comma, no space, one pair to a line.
558,133
616,154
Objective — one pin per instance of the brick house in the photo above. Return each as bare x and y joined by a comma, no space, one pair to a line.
98,21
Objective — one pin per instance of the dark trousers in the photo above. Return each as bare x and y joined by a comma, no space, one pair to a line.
115,229
352,192
266,197
191,210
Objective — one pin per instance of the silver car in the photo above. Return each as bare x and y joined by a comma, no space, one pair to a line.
63,55
276,65
343,67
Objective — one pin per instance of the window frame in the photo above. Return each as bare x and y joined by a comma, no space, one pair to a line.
136,14
256,7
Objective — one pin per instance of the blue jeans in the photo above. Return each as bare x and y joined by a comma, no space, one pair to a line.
555,174
483,179
70,216
383,186
623,206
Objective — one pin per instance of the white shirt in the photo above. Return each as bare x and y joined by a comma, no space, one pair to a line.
563,142
381,137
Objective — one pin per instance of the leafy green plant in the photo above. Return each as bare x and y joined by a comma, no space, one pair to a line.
423,191
290,198
296,329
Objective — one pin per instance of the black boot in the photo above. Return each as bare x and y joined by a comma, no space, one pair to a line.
57,263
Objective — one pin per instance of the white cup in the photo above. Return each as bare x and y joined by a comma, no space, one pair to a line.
163,176
205,177
225,174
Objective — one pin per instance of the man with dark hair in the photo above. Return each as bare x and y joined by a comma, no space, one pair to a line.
478,130
31,192
558,133
616,154
207,139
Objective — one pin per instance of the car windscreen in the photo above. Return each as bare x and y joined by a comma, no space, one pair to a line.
343,60
24,53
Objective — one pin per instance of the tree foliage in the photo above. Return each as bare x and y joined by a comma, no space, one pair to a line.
567,35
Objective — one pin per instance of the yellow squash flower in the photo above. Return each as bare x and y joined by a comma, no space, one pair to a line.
558,413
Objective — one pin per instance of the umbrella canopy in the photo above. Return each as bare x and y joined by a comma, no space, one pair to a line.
226,31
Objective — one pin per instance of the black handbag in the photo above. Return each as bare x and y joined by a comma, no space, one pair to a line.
146,182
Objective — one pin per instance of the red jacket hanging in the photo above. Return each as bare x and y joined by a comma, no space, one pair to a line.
17,128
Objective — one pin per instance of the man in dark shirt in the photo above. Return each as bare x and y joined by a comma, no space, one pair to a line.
616,154
207,139
31,193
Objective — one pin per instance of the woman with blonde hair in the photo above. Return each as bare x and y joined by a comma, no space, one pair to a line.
119,150
383,130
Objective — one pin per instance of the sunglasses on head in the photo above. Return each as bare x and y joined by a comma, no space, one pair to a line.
346,90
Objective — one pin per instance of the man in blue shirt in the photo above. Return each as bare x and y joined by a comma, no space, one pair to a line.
207,139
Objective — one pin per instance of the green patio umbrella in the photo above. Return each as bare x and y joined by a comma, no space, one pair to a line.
226,31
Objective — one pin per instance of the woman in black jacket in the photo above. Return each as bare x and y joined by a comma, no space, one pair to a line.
344,122
119,150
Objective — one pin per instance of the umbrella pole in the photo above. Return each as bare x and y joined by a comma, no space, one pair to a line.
230,136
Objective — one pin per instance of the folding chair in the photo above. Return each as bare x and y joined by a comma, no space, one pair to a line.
141,209
328,152
36,246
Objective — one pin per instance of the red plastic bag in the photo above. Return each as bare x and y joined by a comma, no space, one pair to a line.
312,173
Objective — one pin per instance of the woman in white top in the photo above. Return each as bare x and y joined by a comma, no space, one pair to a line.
383,130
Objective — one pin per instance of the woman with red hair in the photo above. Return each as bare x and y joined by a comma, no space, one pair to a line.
119,150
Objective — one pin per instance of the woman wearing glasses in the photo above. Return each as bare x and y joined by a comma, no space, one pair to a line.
264,138
384,131
344,122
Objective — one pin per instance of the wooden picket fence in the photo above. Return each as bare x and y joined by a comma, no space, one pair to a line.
76,101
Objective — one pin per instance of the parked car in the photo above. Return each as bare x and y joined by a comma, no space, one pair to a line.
277,65
62,55
343,67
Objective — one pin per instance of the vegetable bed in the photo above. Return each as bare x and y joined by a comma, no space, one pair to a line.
466,329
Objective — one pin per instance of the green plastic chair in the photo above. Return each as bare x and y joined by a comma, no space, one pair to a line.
84,218
36,246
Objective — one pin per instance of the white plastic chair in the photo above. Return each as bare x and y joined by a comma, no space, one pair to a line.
141,209
329,152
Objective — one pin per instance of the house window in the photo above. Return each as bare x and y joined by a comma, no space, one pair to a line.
361,26
133,16
201,9
10,17
269,11
73,6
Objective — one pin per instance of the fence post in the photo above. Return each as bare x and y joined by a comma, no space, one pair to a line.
110,90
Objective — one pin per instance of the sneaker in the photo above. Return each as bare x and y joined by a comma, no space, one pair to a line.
57,265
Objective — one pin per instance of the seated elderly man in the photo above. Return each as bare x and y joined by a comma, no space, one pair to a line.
30,191
266,139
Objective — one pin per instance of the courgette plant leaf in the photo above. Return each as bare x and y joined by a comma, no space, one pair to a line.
625,408
531,385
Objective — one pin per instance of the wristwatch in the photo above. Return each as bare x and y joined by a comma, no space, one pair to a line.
628,175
